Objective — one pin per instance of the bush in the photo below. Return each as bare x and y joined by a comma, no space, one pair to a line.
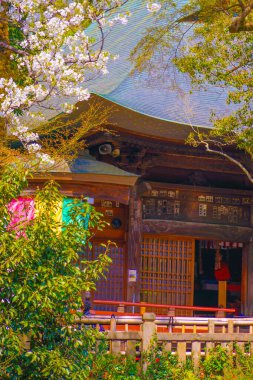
162,365
214,364
112,367
41,286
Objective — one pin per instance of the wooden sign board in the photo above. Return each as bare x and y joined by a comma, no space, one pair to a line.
196,206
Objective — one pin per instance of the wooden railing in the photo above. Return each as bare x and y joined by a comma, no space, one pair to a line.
182,335
121,305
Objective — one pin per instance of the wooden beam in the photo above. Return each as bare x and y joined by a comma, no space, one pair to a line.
90,177
198,230
146,186
104,191
204,162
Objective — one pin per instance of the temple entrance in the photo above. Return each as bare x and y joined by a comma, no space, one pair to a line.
218,265
167,271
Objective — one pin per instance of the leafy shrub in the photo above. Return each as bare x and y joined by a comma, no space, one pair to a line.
115,367
162,365
40,286
240,367
215,362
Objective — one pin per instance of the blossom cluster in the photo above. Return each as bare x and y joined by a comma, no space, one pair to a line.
56,58
153,7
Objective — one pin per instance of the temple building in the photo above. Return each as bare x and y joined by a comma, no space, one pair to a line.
186,229
181,217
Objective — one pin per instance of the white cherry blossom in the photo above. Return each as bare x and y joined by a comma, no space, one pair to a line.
57,57
153,7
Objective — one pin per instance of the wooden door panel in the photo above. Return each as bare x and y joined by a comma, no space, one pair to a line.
112,287
167,271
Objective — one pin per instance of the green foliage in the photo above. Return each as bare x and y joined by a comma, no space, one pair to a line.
41,285
214,364
111,367
162,365
241,368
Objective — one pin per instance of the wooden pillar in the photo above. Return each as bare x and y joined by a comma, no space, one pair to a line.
247,279
134,245
222,293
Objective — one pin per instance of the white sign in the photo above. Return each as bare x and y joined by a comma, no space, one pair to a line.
132,275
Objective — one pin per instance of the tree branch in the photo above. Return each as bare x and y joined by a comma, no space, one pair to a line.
5,45
238,24
231,159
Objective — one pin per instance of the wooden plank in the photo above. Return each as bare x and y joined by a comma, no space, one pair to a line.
124,335
199,230
205,337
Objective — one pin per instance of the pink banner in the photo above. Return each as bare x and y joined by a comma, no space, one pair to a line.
21,212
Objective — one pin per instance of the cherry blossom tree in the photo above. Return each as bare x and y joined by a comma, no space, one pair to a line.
48,60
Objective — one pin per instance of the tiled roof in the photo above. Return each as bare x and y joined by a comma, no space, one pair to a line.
155,99
90,166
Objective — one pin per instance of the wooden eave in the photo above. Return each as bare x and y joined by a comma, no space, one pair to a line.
100,186
125,120
91,177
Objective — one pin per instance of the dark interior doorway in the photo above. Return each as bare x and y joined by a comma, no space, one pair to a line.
205,282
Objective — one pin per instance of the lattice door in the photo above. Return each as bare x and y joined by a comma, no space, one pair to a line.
113,286
167,271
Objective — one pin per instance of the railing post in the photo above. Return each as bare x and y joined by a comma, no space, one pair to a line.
121,308
196,352
131,348
230,332
171,315
210,345
220,313
181,351
142,309
115,344
148,329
